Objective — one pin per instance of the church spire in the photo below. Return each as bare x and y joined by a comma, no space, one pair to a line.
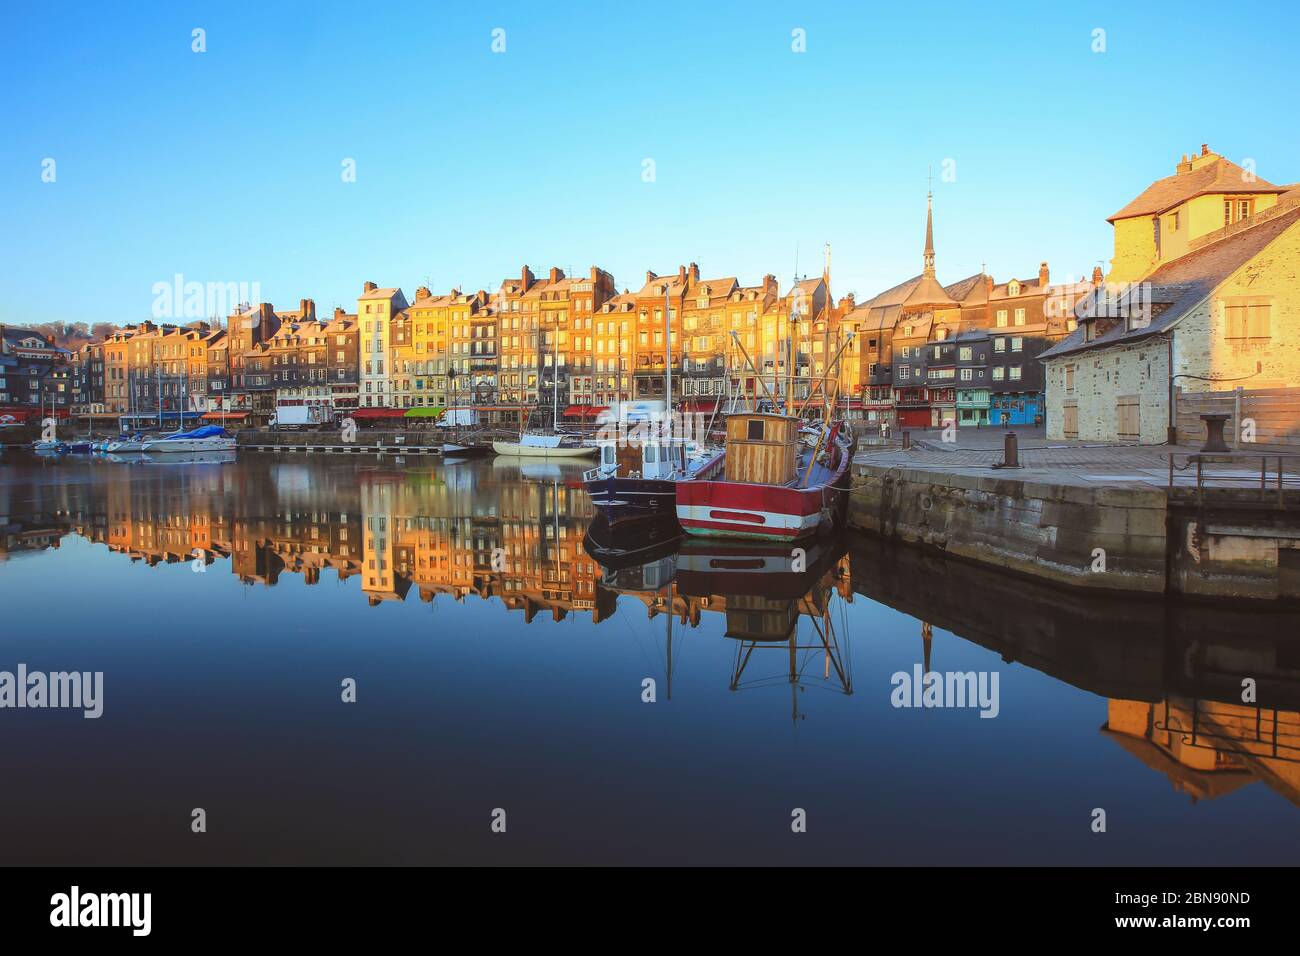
929,234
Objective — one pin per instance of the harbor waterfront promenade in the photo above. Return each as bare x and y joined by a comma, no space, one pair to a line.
1094,516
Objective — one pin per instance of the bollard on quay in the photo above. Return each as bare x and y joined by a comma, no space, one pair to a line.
1010,451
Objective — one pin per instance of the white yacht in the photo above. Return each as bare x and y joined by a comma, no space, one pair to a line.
207,438
546,446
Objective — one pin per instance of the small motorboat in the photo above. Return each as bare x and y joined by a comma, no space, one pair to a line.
79,447
636,480
50,446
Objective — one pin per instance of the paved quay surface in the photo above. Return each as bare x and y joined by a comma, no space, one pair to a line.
1085,464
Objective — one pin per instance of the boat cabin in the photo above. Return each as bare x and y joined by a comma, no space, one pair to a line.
650,459
762,448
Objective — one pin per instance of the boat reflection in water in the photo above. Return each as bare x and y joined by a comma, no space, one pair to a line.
764,591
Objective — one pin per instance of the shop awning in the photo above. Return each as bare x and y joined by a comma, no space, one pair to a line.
700,405
424,411
228,416
584,411
379,413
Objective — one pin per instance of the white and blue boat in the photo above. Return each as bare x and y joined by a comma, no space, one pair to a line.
207,438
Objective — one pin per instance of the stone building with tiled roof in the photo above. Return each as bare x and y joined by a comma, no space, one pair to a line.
1212,302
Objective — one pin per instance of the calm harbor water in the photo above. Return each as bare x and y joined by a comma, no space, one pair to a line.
499,666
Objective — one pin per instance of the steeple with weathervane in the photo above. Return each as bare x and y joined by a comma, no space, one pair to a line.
929,234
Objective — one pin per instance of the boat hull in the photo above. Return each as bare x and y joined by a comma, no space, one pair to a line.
620,500
516,450
735,509
181,446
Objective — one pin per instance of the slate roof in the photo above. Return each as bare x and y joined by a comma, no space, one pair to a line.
969,289
1177,287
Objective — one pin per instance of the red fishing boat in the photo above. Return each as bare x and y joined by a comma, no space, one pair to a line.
781,479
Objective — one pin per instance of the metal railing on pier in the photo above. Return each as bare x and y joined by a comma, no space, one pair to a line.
1271,473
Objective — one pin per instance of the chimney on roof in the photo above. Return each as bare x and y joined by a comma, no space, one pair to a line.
650,276
1205,149
338,312
988,284
1043,275
308,310
1096,275
423,292
556,273
368,287
694,273
681,273
1185,166
848,301
769,284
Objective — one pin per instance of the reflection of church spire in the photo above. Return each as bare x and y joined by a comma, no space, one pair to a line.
929,235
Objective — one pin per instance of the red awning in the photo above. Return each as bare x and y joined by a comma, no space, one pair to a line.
700,405
228,416
378,413
584,411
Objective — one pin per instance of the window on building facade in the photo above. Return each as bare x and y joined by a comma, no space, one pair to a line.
1235,210
1002,318
1015,373
997,373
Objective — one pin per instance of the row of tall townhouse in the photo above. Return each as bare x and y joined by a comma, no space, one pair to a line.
578,341
920,353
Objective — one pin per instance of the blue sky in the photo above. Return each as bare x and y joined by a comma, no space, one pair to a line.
225,166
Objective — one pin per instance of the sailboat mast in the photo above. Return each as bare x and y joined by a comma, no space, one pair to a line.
668,355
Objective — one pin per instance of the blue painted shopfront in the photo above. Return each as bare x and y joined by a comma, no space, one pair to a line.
1024,408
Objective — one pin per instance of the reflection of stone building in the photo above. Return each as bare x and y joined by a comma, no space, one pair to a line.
1208,748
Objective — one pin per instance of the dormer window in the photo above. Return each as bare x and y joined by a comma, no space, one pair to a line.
1235,210
1013,287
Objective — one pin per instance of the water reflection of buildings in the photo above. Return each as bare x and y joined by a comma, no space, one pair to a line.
456,530
1172,672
